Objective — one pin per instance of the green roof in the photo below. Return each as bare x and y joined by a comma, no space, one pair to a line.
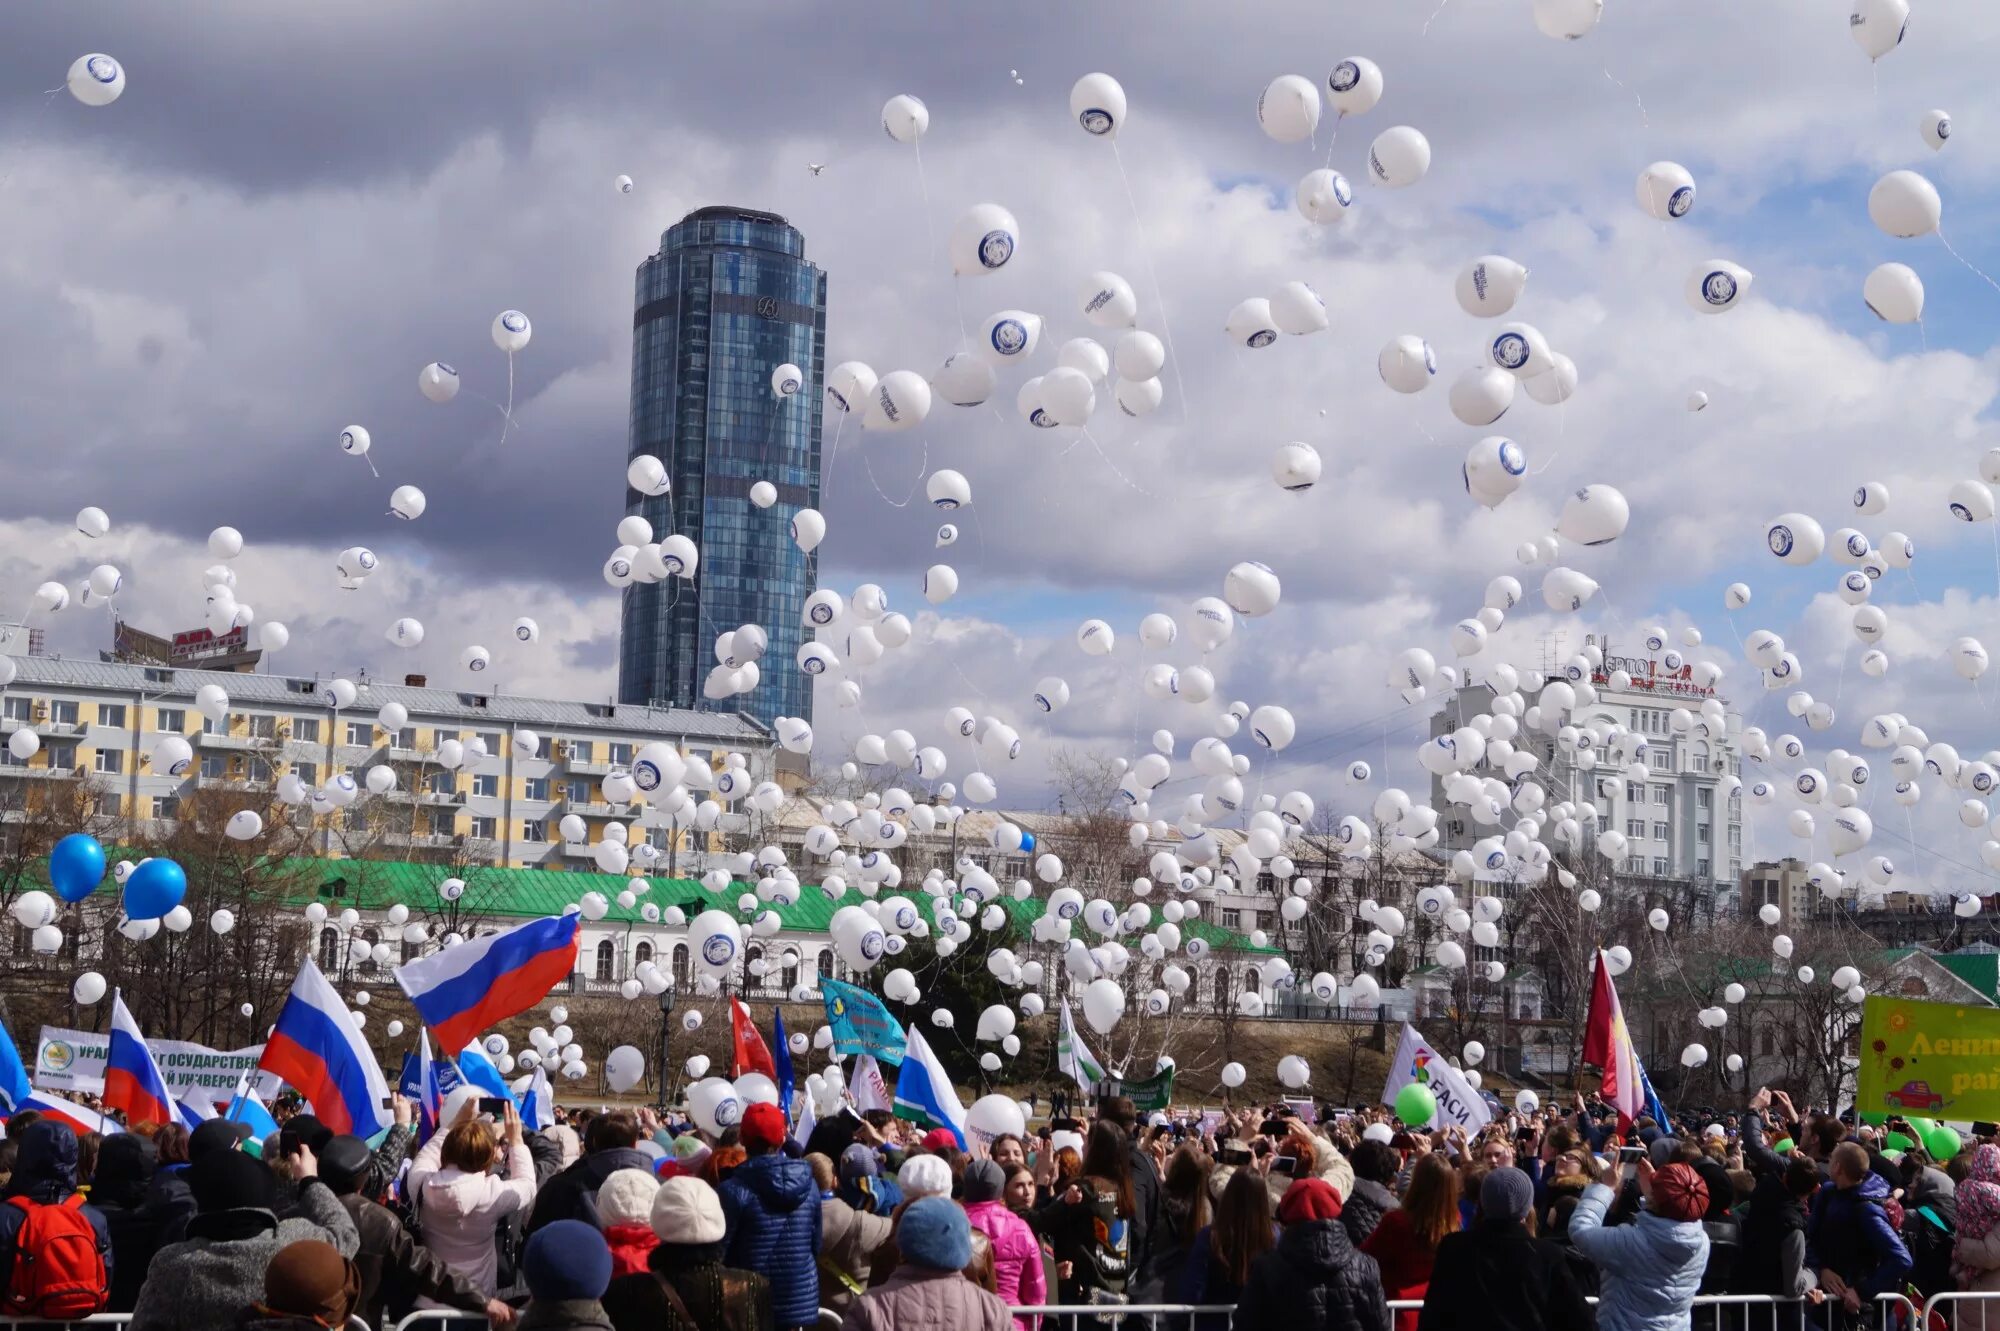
536,893
1981,971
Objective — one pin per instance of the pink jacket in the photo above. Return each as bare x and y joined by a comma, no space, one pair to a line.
460,1211
1017,1256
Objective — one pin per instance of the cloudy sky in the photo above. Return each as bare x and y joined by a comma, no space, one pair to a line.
290,212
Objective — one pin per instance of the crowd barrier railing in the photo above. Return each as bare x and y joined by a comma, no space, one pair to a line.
1725,1312
1964,1310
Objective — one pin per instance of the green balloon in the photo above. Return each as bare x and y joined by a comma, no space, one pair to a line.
1942,1142
1783,1146
1896,1141
1416,1105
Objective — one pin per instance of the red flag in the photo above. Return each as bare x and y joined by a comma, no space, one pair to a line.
1608,1044
747,1052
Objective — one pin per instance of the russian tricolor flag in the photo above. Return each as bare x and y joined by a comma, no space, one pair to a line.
481,982
69,1113
132,1081
316,1046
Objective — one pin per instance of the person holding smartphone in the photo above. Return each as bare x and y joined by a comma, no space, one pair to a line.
460,1202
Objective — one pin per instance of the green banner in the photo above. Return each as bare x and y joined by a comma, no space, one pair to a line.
1155,1092
1937,1060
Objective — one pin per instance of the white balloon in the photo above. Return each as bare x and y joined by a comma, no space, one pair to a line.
808,529
1098,103
1877,25
901,401
1297,310
1288,110
1407,364
92,522
1666,190
849,385
983,239
96,79
1489,286
1903,203
1894,294
1323,196
1296,467
1250,324
1935,126
1107,300
905,118
1399,157
1481,395
511,331
965,380
1567,19
1354,86
1715,286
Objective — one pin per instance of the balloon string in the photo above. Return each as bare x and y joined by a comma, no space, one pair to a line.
1114,467
489,402
826,468
1333,136
921,468
48,98
371,466
1969,268
1433,18
1923,338
1153,276
1645,121
507,413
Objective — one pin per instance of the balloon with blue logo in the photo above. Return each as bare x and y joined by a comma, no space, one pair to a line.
1098,103
96,80
153,889
76,866
983,240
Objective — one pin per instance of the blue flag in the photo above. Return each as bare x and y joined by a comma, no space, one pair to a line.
1653,1105
781,1059
14,1086
478,1070
924,1093
860,1024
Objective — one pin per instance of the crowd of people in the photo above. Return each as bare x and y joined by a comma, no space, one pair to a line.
617,1220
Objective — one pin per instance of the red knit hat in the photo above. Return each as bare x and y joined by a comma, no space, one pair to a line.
1678,1193
939,1140
763,1125
1309,1199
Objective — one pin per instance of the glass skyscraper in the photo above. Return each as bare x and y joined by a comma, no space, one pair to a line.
728,299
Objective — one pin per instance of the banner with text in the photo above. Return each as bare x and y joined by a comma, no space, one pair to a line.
1459,1106
69,1060
1937,1060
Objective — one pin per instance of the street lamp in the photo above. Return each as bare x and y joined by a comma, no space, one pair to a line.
666,1041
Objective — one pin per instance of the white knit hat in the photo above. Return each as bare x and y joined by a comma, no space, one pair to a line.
687,1211
626,1198
924,1176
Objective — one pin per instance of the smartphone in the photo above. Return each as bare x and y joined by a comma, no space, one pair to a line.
1285,1164
1274,1127
1628,1160
1525,1134
388,1102
494,1105
1233,1155
1985,1129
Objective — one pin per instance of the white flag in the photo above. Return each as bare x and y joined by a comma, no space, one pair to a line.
870,1091
1073,1058
1458,1105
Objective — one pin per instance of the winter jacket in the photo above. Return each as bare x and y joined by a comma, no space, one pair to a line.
1145,1218
1017,1256
1650,1269
1092,1237
770,1207
1207,1281
564,1315
631,1245
125,1167
1849,1234
716,1297
572,1194
211,1278
1498,1277
171,1201
1773,1256
847,1239
1405,1262
396,1270
1314,1280
460,1212
1364,1208
45,1173
919,1299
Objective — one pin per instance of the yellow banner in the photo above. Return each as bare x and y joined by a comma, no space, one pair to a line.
1938,1060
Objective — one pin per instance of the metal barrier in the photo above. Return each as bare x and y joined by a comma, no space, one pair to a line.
1979,1319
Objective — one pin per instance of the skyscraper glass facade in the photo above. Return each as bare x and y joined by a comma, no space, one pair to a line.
728,299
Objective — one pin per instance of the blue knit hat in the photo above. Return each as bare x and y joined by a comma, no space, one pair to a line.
567,1260
934,1233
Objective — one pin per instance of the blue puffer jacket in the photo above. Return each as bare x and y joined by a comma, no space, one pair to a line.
1650,1269
771,1208
1849,1232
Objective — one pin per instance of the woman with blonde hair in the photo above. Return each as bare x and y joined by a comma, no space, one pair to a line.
461,1202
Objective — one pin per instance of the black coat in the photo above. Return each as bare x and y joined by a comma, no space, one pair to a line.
1314,1280
572,1194
1364,1208
1498,1277
1145,1216
396,1270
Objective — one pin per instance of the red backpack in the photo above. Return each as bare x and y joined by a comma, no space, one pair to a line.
58,1264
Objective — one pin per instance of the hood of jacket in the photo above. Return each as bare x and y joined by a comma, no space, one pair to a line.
590,1172
125,1165
1675,1241
1874,1188
455,1193
1317,1245
1369,1192
45,1169
779,1183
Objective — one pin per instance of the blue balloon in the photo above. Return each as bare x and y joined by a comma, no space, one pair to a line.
1027,843
76,866
153,889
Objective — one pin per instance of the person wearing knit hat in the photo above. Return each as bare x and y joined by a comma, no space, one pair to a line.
862,1184
772,1205
625,1214
1650,1270
567,1267
685,1276
1499,1277
1314,1277
924,1176
928,1289
309,1286
1018,1275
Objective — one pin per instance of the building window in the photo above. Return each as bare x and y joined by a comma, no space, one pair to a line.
486,784
1701,868
1636,828
406,738
213,767
305,729
536,788
482,828
1222,989
1767,1042
166,807
491,739
170,720
1659,866
681,964
641,954
1661,832
1660,759
18,707
607,961
621,755
1701,833
439,783
1232,919
534,831
1704,798
579,790
110,760
329,950
1659,795
111,714
360,734
307,773
62,713
579,750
